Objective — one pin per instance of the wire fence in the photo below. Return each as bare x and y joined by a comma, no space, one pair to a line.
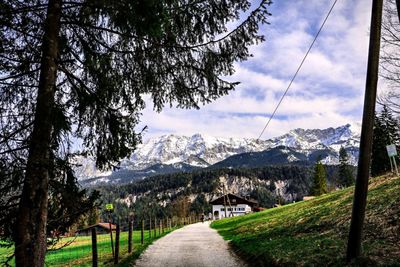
96,246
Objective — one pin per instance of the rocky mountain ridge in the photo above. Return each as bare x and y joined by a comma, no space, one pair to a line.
173,152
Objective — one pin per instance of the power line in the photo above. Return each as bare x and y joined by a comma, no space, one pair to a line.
298,69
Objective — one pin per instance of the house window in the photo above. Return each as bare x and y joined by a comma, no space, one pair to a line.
234,200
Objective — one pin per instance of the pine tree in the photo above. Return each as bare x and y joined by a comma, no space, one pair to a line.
391,126
386,132
319,186
81,69
346,177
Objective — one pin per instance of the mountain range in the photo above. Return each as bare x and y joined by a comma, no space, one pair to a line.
175,153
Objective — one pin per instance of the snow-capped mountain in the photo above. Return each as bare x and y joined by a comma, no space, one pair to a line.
85,168
334,138
196,150
201,151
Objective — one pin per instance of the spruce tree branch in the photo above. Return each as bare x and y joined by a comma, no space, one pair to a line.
4,139
12,150
40,7
19,75
16,84
180,47
14,27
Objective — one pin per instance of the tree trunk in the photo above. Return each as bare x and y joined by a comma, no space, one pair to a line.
367,131
30,238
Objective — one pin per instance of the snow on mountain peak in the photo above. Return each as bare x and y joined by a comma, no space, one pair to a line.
202,151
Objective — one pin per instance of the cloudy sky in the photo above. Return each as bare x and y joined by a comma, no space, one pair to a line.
328,91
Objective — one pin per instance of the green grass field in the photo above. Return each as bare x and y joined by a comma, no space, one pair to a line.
314,232
79,253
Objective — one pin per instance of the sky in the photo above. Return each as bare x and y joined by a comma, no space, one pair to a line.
328,91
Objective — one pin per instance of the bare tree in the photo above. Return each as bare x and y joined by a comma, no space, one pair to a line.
390,56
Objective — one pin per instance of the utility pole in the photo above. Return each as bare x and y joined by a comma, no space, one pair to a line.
361,189
223,193
230,206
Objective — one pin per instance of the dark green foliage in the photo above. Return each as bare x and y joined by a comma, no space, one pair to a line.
391,125
279,155
380,160
200,205
264,197
275,155
170,189
319,186
111,55
346,177
386,132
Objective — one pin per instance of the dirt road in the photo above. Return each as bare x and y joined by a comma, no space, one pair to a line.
195,245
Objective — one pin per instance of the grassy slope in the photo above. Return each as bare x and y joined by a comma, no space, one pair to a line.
79,253
315,232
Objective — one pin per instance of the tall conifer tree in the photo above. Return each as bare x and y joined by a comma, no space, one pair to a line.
319,185
346,177
386,132
82,69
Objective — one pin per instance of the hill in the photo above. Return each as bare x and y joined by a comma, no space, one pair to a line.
314,232
269,185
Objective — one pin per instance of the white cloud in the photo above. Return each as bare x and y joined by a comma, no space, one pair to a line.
327,92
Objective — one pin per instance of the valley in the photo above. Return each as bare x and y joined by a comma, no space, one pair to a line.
165,172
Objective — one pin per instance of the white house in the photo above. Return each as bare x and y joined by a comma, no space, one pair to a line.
231,205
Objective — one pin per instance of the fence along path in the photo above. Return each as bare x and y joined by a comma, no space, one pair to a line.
193,245
95,249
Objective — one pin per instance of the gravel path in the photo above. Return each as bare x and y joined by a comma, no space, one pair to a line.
195,245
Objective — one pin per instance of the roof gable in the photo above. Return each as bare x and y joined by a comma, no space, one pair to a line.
234,200
101,225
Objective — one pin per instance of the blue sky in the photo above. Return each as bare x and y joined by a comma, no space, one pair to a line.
328,91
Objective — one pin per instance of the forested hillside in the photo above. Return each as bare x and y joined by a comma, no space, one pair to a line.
183,193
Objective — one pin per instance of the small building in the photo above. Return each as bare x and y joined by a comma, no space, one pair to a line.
101,228
234,205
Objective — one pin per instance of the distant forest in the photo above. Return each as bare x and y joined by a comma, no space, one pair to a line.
169,194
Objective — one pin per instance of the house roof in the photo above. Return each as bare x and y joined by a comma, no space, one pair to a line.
234,199
101,224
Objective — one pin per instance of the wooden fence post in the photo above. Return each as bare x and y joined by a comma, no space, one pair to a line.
150,228
111,237
142,233
155,227
116,245
94,248
130,236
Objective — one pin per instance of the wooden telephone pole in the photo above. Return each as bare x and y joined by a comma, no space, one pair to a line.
223,193
361,189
